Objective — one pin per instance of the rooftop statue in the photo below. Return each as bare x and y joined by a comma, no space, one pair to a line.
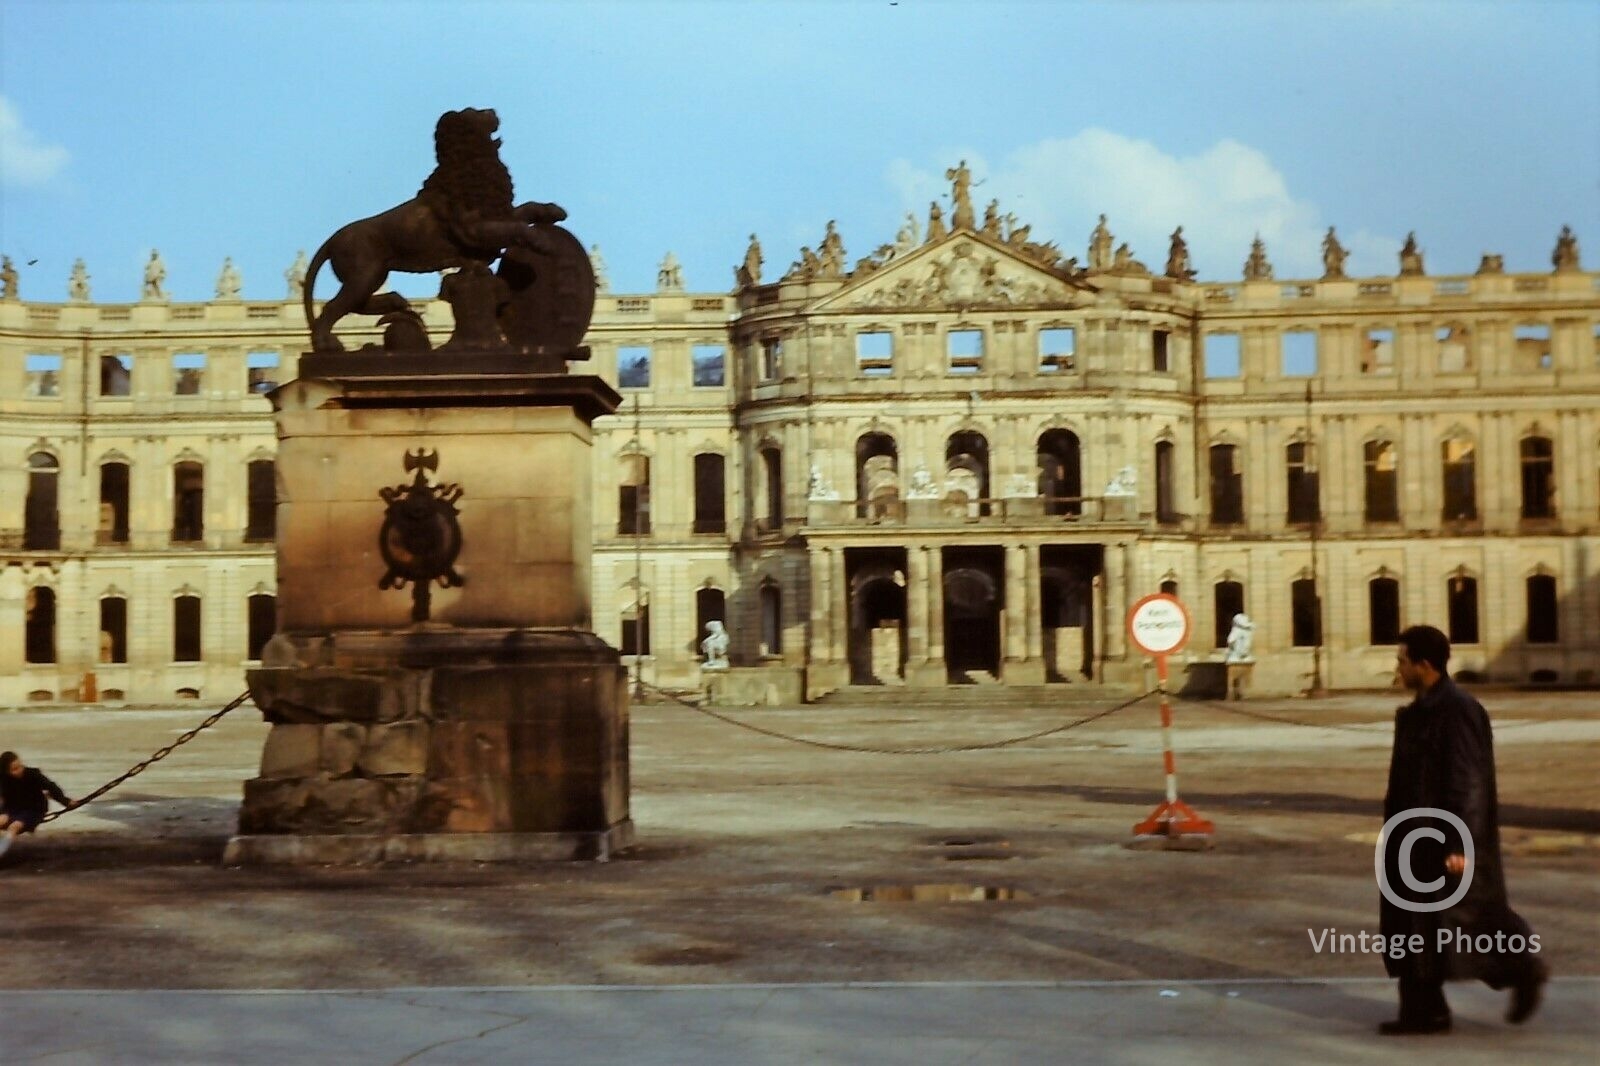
1100,242
961,196
1411,258
597,264
8,279
1565,257
78,283
1178,265
936,228
229,284
831,252
1258,267
295,276
1492,264
908,236
1333,257
750,273
991,220
465,217
669,276
155,272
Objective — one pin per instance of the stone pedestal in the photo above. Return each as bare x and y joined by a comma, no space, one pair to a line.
483,721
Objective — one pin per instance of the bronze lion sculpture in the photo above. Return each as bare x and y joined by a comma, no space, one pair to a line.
463,217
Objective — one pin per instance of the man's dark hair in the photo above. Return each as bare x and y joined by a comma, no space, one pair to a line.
6,760
1425,644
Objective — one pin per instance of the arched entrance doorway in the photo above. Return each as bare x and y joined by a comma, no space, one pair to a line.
877,636
973,582
1067,619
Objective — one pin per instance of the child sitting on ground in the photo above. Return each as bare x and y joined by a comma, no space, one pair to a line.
22,798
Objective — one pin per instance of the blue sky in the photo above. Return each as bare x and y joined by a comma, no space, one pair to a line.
252,129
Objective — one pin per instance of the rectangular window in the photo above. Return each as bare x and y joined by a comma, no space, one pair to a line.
261,518
113,525
1543,624
965,350
44,376
633,366
1462,607
1377,353
1058,349
1222,357
113,630
707,361
116,375
1299,353
771,358
875,354
1227,601
636,630
1306,608
262,370
1532,345
188,373
1383,611
1227,486
1160,362
186,629
262,611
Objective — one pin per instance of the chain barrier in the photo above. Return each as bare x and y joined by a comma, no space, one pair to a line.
1262,716
943,750
157,756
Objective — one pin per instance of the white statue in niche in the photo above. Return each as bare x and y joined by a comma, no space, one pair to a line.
922,486
715,646
819,488
1241,639
1125,483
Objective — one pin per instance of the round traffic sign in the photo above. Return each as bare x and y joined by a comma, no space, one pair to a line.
1158,624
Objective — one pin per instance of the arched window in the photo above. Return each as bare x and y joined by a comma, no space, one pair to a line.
636,628
1383,611
1544,625
1538,478
1169,588
186,629
877,475
263,620
772,471
966,471
41,529
710,605
633,495
1227,486
771,619
113,527
1305,503
188,502
1166,490
1383,483
1461,597
1227,599
39,635
113,629
1060,459
1460,472
710,511
261,521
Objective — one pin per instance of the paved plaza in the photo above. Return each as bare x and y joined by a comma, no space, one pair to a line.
795,904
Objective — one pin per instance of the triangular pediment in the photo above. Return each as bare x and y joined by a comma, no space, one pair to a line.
959,271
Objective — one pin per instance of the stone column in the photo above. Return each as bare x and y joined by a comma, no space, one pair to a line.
916,607
931,672
1023,665
839,607
821,604
1035,632
1118,667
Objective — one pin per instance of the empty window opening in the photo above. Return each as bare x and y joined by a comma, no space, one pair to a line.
1383,611
1058,348
708,362
964,347
113,630
116,375
186,629
113,524
262,519
771,619
1227,600
1531,343
1382,482
1377,354
1159,357
633,495
1306,608
877,476
261,369
636,629
710,494
1459,461
262,611
1304,494
1544,627
633,366
1462,607
188,373
1166,490
1222,355
771,358
966,474
39,626
1060,461
1227,486
1453,344
1299,353
188,502
1538,478
875,354
772,475
44,376
41,521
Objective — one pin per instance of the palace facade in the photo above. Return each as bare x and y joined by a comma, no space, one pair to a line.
959,460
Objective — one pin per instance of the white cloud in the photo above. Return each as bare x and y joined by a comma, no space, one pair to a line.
1222,197
24,158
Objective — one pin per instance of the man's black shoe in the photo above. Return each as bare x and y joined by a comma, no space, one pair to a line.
1525,999
1415,1026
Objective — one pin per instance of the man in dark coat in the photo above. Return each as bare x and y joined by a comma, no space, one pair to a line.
1444,759
23,802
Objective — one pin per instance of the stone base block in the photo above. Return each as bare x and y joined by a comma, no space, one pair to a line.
368,849
753,686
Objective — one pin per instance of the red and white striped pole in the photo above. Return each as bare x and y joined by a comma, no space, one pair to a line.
1159,625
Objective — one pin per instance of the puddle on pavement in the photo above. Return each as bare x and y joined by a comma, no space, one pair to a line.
942,893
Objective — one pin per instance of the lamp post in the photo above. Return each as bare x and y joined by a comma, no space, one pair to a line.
1316,689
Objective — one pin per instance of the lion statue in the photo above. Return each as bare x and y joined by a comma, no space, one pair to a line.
463,217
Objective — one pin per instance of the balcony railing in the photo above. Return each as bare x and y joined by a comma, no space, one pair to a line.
955,511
